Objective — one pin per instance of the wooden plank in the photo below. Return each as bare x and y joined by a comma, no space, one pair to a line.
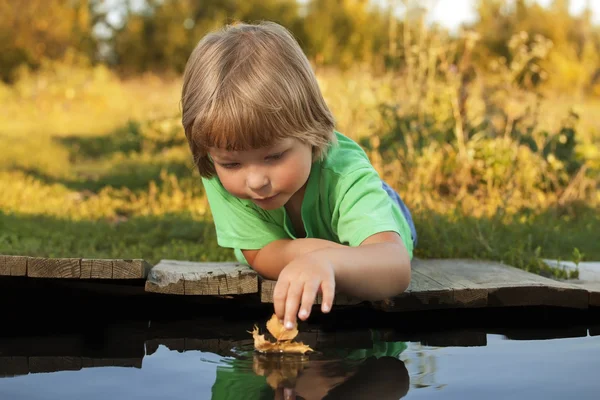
199,278
13,265
267,287
464,292
101,269
506,286
593,289
114,269
445,283
74,268
422,293
66,268
86,268
131,269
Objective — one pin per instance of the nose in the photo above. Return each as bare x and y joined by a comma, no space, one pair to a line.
256,180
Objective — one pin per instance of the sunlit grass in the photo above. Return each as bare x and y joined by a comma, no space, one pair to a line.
95,166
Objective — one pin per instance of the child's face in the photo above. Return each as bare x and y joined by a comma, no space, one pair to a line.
268,176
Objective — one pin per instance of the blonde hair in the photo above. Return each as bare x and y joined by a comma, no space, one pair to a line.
248,86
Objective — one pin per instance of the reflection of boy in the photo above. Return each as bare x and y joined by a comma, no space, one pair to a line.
357,371
296,200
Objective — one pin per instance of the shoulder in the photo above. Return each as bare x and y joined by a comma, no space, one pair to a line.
345,157
217,194
213,186
347,172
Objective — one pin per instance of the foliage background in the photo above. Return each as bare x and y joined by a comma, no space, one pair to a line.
488,133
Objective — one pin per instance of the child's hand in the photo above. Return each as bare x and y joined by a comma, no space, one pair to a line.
298,285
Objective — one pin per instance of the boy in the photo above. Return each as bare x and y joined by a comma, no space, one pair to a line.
298,201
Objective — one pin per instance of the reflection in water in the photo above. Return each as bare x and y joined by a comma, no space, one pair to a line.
422,367
374,373
213,359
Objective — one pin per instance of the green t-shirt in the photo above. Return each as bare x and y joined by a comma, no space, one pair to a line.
344,202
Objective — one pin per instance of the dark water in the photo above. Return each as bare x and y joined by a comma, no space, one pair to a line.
357,364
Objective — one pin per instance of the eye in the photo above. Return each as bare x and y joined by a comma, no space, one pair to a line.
274,157
230,165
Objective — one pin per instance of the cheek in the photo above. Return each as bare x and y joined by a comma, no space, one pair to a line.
294,174
233,183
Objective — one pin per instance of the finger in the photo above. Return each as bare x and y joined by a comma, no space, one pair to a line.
328,290
289,394
308,299
292,303
279,297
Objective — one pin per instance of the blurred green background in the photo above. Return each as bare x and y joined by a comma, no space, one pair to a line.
487,131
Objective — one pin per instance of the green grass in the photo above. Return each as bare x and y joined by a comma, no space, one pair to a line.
83,177
520,240
170,236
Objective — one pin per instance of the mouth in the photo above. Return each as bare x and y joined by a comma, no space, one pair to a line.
265,199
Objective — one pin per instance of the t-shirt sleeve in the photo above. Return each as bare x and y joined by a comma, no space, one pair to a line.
363,208
239,224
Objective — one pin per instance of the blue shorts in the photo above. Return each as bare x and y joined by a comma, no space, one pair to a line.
392,193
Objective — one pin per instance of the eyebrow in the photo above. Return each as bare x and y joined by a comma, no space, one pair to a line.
224,160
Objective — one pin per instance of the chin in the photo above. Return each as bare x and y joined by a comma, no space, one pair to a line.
271,205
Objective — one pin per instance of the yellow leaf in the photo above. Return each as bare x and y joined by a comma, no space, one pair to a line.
281,346
279,369
294,347
279,332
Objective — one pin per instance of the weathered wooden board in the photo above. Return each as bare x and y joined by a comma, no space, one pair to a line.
433,290
593,289
13,265
114,269
66,268
435,283
267,287
473,283
73,268
198,278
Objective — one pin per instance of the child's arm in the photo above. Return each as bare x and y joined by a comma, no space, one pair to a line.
377,269
272,259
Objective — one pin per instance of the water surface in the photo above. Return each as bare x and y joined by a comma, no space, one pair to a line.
363,364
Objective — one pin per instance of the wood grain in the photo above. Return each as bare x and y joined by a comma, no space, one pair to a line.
476,283
199,278
73,268
13,265
64,268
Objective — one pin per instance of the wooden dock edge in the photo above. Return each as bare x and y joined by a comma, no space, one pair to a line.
73,268
435,283
195,278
